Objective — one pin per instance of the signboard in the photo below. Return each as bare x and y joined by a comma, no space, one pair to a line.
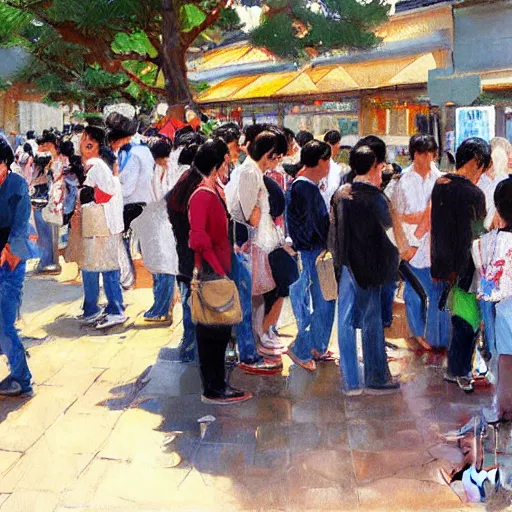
475,122
324,107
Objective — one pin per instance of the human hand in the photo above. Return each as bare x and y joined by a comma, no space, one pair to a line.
7,258
498,222
409,253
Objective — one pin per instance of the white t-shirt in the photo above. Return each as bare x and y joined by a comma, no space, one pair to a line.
137,175
412,194
99,175
488,187
330,183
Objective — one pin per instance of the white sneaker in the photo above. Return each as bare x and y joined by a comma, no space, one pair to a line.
91,320
111,320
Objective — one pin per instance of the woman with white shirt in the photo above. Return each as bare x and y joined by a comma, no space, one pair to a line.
95,234
154,232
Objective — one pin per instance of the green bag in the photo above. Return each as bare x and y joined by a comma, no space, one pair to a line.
465,306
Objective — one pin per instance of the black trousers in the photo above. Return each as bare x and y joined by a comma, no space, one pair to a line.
462,347
211,347
131,212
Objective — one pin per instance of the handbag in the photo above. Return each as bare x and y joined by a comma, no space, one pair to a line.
326,276
214,302
94,221
262,279
53,212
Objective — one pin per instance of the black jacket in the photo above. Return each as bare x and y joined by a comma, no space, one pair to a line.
358,238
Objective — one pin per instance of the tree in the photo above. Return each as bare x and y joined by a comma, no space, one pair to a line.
96,50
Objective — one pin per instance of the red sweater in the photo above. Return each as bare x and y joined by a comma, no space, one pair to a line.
209,230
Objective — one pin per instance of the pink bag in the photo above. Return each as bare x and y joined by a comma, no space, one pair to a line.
262,280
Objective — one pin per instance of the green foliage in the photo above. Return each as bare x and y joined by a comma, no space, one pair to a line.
292,26
137,42
191,17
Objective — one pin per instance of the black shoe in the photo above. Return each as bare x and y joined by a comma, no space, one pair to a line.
383,389
228,396
11,387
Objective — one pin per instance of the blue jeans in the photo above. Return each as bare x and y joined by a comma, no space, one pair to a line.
112,288
388,298
314,315
437,331
187,348
241,274
364,307
11,287
163,292
44,239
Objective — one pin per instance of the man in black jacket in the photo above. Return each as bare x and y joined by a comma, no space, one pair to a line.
365,260
458,213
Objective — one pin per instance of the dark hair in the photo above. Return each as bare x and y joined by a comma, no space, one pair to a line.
267,141
96,134
313,152
27,148
120,127
252,131
420,143
161,149
181,134
289,134
187,138
303,137
474,147
229,132
48,136
187,155
362,159
378,146
108,156
6,153
78,128
67,148
503,200
31,134
210,156
396,168
281,141
332,137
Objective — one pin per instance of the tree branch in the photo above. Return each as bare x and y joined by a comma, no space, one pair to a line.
134,78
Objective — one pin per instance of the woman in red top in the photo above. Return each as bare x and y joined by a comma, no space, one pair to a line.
210,242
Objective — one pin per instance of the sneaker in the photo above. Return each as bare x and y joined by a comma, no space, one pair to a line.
383,389
92,319
270,343
448,377
353,392
228,396
262,367
111,321
310,366
50,270
467,383
269,352
326,357
10,387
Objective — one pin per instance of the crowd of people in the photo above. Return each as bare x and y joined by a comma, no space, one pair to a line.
275,213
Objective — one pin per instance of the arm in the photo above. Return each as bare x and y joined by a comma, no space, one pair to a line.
130,175
405,250
17,243
248,193
199,240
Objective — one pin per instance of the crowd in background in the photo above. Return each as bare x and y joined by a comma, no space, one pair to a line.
274,212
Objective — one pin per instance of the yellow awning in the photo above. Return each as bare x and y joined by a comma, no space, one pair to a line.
326,79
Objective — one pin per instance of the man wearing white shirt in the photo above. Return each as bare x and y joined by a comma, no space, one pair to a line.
411,199
331,183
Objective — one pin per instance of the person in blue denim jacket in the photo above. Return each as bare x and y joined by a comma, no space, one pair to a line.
14,217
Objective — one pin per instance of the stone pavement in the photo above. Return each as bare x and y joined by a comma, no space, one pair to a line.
114,426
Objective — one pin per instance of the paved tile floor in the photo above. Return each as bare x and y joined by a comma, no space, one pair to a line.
114,426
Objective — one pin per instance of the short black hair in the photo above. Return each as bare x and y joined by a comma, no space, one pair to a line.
377,145
188,137
31,134
475,147
303,137
289,134
267,141
48,136
96,133
78,128
252,131
187,155
6,153
313,152
210,156
503,200
332,137
228,133
161,149
120,127
362,159
27,148
420,143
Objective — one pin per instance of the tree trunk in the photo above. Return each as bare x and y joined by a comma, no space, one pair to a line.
174,65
